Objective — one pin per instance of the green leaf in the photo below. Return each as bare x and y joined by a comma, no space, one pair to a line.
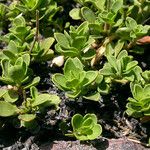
94,96
113,62
118,4
19,21
9,54
40,99
70,52
79,42
118,47
47,43
12,47
26,59
147,90
33,92
11,96
17,73
131,23
103,88
59,80
27,117
92,116
84,131
75,13
2,92
54,100
5,66
83,29
138,92
73,64
85,128
34,82
89,54
7,109
97,131
88,14
62,40
72,83
122,54
131,65
100,4
90,77
95,29
76,121
74,93
132,112
88,123
107,70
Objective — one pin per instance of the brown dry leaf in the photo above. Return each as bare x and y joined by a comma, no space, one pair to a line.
144,40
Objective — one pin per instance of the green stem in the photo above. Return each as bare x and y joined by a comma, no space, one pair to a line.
69,134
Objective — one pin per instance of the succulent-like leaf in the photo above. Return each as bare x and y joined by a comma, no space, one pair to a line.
11,96
40,99
73,65
85,128
7,109
62,40
60,81
88,14
27,117
47,43
94,96
79,42
118,4
75,13
97,131
138,92
90,77
34,82
2,92
33,92
76,121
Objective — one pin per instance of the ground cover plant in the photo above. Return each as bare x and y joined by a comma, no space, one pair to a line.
75,70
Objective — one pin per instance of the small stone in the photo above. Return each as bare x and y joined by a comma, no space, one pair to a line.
58,61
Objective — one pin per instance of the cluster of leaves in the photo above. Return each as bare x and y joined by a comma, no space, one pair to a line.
47,9
139,105
85,128
27,111
75,44
19,77
23,47
106,29
113,29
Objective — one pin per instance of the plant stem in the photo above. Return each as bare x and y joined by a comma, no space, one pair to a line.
131,44
37,31
24,95
101,50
